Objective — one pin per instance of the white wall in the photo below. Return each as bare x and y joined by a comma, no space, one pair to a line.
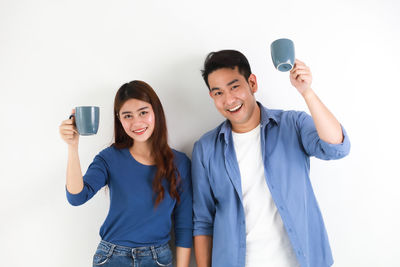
55,55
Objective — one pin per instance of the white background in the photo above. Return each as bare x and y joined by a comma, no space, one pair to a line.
55,55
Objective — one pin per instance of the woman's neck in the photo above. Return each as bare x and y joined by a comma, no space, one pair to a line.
142,153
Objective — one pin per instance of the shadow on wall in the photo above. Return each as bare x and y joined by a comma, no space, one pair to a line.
189,110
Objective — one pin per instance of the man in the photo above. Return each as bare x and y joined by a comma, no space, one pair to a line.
252,198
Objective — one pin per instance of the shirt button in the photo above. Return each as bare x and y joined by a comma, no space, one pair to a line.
290,230
272,187
281,207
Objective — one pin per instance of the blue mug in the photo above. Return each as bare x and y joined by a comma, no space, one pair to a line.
87,119
282,53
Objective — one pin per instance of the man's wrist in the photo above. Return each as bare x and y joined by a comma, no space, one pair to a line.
308,93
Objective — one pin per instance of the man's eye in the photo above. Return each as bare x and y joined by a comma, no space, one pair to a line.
217,93
235,86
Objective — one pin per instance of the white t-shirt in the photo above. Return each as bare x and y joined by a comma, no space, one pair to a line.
267,243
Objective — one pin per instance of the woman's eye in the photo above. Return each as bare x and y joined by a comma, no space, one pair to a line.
143,113
127,116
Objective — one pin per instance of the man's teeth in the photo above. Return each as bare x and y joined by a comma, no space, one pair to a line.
235,108
140,131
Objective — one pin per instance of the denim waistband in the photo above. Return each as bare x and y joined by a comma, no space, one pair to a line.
127,251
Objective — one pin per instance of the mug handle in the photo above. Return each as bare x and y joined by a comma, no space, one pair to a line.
72,116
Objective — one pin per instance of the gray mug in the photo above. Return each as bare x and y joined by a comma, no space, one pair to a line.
87,119
282,53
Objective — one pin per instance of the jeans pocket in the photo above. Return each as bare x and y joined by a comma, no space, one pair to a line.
164,258
100,258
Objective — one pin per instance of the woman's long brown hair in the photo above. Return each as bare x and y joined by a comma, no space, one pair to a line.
161,152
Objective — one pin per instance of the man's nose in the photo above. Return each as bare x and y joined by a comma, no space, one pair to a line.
229,98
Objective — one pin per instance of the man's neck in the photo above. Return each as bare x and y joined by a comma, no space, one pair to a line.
252,123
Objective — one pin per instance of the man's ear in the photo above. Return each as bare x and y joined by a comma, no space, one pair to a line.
253,83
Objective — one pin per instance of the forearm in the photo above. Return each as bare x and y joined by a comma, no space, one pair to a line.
182,257
202,249
74,173
328,127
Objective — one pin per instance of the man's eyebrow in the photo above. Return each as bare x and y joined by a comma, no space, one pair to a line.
232,82
228,84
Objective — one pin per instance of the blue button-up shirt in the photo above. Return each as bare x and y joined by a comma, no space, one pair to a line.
288,139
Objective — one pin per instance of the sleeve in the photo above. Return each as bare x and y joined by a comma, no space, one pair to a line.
203,198
314,146
183,222
95,178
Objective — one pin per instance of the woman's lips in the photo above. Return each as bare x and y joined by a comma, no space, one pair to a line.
140,131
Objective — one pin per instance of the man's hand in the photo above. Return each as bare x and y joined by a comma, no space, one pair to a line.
328,127
301,77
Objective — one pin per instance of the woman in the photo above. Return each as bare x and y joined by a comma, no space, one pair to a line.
148,182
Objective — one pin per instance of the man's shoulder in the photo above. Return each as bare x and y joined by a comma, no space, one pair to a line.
285,116
210,136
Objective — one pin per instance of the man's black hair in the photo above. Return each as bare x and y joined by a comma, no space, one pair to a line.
225,59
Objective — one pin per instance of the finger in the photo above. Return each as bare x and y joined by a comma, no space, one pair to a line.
67,122
300,72
303,77
296,73
70,135
300,64
68,128
300,67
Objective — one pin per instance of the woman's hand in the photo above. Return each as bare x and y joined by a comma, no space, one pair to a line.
68,131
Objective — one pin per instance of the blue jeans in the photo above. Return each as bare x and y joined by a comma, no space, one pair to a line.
110,255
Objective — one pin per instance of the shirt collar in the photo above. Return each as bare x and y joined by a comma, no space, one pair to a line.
267,115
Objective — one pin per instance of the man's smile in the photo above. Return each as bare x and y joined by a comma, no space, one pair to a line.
235,108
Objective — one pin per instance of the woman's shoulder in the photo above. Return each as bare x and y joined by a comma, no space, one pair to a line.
111,152
180,158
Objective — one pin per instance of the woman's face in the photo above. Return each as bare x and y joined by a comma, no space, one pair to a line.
137,119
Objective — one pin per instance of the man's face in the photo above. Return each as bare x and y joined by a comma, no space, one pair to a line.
234,98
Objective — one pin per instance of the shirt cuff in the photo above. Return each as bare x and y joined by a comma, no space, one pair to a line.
76,199
201,228
337,150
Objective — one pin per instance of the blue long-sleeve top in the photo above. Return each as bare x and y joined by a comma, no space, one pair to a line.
133,220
